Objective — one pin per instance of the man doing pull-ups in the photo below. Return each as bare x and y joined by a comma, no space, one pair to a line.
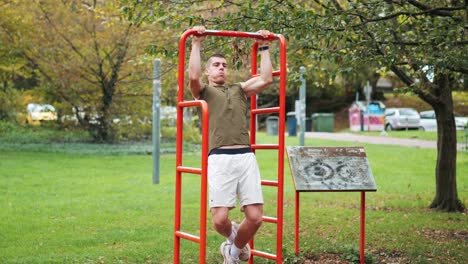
232,167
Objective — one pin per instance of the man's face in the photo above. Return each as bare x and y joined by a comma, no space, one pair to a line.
216,71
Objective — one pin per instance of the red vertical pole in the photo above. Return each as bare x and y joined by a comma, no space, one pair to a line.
178,183
253,99
204,180
177,218
253,117
296,224
363,226
279,240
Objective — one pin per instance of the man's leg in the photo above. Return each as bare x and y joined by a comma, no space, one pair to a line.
221,223
250,225
220,220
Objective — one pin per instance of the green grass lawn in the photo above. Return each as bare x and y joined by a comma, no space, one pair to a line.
61,206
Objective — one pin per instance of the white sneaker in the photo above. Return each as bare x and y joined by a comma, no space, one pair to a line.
245,251
225,251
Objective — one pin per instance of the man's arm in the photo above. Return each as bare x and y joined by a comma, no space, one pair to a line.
256,84
195,67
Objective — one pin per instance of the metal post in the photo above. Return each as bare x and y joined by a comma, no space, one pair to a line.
367,93
296,223
302,106
363,228
156,118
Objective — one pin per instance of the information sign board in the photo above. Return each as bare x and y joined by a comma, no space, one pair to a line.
330,169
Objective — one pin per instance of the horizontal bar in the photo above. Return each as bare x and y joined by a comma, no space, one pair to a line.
265,110
269,219
189,170
265,146
269,183
192,103
224,33
188,236
262,254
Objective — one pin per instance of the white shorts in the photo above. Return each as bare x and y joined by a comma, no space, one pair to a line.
231,176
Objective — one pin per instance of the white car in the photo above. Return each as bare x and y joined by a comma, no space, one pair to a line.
429,123
40,112
401,118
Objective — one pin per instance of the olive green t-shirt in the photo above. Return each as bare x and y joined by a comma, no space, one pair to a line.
227,106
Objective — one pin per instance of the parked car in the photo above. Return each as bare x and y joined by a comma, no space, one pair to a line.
461,122
401,118
40,112
92,117
429,123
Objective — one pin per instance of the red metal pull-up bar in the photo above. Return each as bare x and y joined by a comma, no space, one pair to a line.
280,110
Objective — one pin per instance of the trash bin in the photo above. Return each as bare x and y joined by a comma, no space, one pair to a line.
272,125
323,122
292,123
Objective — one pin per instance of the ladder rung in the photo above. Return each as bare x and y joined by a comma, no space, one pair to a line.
189,169
265,110
188,236
265,146
263,254
269,183
269,219
275,73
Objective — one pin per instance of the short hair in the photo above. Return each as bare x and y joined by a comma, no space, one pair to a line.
216,55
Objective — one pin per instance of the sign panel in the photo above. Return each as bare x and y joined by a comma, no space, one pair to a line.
330,169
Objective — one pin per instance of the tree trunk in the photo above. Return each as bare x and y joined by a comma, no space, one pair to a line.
105,132
446,198
104,129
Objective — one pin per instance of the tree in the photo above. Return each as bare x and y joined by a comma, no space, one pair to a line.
89,56
423,42
14,68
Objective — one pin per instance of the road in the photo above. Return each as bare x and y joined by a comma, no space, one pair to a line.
382,140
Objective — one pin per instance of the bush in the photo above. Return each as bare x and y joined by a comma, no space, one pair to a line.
9,104
11,132
352,254
7,127
192,134
168,132
191,131
133,130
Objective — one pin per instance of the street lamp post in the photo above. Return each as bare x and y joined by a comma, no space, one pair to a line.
367,93
302,106
156,118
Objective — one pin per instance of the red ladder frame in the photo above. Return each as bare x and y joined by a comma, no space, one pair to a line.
278,220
